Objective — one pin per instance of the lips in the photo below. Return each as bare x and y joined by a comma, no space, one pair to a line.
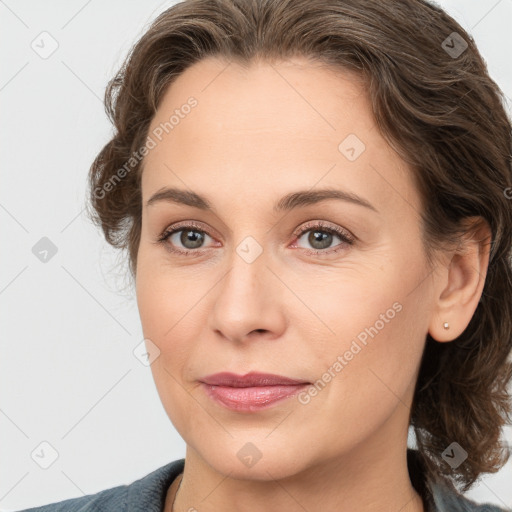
252,379
252,392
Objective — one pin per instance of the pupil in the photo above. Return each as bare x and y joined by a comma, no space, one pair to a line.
322,237
191,236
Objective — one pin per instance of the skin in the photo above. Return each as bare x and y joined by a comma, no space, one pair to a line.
256,135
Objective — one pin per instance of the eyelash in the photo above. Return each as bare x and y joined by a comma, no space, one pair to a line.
346,238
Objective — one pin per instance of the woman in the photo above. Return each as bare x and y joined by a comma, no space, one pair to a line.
315,202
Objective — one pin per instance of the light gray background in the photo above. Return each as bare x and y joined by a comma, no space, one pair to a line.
68,374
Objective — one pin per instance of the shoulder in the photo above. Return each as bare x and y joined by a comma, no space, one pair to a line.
448,499
441,495
145,494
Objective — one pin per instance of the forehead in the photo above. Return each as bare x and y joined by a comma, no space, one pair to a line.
297,97
295,122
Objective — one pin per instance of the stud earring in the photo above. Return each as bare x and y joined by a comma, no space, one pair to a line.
446,325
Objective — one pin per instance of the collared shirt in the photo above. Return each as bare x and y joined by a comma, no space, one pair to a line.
148,494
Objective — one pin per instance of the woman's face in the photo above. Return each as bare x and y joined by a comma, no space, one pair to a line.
260,287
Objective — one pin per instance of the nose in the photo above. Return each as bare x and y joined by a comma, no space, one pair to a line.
248,303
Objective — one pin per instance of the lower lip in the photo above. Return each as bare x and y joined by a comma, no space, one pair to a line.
252,398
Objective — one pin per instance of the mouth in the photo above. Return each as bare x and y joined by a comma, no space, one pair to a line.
252,392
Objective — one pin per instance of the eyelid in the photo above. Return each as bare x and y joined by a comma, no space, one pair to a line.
323,225
182,226
346,237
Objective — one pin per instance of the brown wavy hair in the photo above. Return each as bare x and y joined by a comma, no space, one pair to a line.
438,109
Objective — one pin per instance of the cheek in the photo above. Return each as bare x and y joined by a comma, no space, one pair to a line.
367,376
169,307
163,309
376,319
166,311
377,333
376,355
162,296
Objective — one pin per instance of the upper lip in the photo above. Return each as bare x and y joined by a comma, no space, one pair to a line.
249,380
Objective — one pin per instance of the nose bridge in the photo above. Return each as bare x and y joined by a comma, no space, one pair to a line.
248,273
246,299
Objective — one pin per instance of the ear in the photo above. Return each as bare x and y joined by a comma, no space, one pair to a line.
460,283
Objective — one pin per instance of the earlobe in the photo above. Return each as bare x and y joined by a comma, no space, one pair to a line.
443,332
462,283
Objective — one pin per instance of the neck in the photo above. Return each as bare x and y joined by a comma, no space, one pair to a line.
376,481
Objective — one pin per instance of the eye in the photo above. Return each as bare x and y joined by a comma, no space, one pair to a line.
191,238
321,237
189,235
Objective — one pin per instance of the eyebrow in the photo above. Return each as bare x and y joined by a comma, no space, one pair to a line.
289,202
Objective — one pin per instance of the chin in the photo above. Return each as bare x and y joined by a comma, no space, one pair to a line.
254,460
